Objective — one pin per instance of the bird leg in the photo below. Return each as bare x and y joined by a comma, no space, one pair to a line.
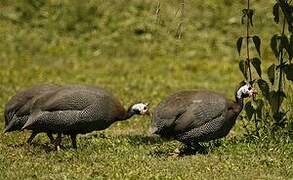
186,149
50,136
180,150
195,147
73,140
57,142
30,139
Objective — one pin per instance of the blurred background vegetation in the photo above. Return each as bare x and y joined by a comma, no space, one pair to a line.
131,29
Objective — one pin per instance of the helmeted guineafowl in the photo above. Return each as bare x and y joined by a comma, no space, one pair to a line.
198,116
78,109
17,109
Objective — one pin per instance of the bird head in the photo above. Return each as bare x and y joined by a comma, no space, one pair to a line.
140,108
246,91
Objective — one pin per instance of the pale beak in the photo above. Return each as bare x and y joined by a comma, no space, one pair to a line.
147,113
253,92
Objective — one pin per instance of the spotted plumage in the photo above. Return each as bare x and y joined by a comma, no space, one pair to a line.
17,109
76,110
197,116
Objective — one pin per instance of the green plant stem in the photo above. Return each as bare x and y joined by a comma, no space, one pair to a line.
179,28
247,41
280,66
158,9
248,60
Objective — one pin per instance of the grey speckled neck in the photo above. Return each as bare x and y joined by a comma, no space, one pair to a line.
239,98
128,114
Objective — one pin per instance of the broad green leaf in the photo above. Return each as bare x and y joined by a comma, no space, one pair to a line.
257,42
249,110
250,16
273,101
280,118
243,68
256,64
242,83
239,44
264,87
291,47
271,73
286,44
274,45
289,17
288,69
242,19
252,82
259,107
276,99
276,13
244,14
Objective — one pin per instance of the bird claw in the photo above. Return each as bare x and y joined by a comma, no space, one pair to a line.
175,153
56,142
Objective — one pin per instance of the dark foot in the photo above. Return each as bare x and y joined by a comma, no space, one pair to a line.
175,153
73,140
57,142
30,139
50,136
190,149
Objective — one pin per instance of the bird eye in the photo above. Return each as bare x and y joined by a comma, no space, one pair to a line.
249,88
144,108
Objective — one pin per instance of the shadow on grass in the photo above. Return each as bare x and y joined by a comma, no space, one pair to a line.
95,135
202,149
139,139
45,146
182,153
135,139
157,144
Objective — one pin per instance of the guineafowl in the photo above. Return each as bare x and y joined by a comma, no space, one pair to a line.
198,116
78,109
17,109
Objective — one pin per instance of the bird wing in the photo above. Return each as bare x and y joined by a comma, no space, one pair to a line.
166,113
187,110
20,103
205,107
58,107
72,104
67,98
55,121
96,116
206,132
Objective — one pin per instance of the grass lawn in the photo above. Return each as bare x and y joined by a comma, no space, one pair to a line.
57,42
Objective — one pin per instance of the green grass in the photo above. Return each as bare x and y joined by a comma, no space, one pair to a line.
117,45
